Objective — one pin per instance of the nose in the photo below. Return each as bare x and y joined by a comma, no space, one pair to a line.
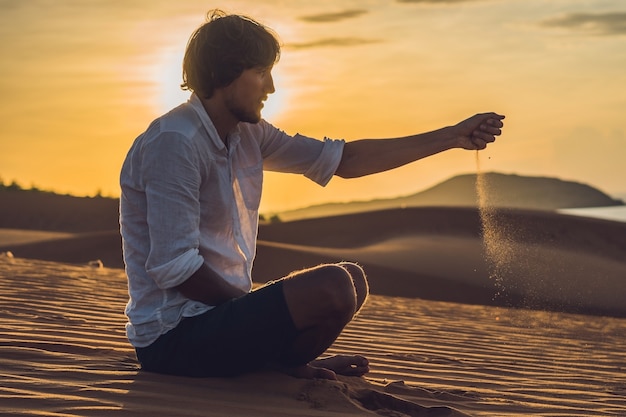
269,84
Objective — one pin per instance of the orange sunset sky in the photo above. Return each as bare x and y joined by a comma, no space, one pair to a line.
80,80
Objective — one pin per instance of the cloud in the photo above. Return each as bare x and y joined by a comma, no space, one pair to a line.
333,17
611,23
333,42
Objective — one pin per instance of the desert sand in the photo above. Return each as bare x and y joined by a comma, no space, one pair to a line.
448,331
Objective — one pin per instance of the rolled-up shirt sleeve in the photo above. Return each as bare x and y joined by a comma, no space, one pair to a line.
325,166
316,159
176,271
171,178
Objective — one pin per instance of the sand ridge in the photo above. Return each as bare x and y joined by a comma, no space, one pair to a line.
63,352
549,260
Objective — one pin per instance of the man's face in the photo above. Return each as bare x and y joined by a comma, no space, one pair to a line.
245,95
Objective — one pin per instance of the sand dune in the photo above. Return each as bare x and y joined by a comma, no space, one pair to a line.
538,259
76,248
63,352
19,237
455,269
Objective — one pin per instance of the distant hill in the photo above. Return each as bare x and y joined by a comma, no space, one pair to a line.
502,190
43,210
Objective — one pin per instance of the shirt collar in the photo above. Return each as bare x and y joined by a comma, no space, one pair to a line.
196,104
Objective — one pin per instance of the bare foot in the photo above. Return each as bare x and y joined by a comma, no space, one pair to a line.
328,368
350,365
311,372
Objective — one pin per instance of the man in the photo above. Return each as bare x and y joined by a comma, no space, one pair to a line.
191,186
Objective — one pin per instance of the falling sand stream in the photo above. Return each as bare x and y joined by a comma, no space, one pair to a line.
516,266
499,248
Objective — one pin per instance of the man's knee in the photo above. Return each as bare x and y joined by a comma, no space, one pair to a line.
337,289
356,272
323,294
359,279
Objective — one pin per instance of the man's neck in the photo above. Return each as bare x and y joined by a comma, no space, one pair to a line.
222,118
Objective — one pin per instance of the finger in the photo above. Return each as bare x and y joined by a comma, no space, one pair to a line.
494,122
479,143
492,119
494,116
492,130
484,136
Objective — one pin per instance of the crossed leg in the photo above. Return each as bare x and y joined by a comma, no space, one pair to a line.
322,301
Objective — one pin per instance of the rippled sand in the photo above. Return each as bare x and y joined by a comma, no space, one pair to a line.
63,352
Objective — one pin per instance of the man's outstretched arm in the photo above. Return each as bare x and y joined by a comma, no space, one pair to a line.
369,156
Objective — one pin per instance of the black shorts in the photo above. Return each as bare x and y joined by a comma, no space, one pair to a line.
242,335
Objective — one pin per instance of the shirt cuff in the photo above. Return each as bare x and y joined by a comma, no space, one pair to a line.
327,162
176,271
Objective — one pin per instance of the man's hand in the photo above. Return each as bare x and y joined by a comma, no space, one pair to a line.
477,131
205,286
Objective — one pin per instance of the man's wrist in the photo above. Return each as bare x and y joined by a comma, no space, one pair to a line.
449,138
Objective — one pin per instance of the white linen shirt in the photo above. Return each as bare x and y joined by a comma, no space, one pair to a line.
188,199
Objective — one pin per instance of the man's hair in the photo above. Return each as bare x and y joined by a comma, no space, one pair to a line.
222,48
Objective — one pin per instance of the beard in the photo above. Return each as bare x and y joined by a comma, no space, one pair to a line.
245,115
